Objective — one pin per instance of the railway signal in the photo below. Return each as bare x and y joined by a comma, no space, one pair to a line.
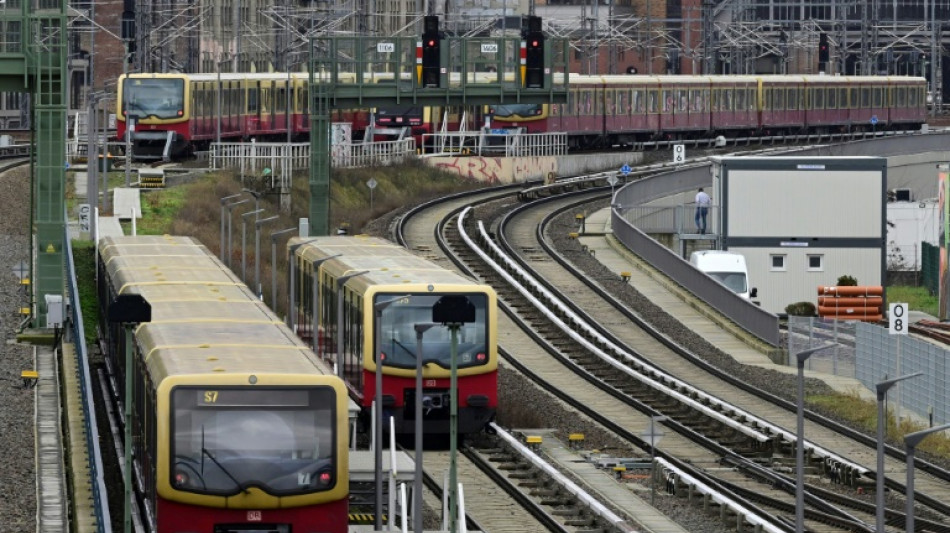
534,53
431,52
823,53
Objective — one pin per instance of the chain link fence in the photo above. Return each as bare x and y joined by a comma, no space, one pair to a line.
870,354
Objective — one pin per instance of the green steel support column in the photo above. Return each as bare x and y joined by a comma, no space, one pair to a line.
321,91
48,42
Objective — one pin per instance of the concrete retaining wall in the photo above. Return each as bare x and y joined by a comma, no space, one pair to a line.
500,170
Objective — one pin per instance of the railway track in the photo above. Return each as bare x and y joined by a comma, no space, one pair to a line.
532,253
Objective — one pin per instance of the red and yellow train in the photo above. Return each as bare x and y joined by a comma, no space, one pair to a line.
236,424
405,287
604,111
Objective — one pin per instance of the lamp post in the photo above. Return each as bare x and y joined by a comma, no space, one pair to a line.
256,195
257,254
273,266
129,310
378,308
417,482
882,389
911,440
340,281
244,242
230,240
654,437
224,202
801,357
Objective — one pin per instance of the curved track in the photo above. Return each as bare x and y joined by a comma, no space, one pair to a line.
522,233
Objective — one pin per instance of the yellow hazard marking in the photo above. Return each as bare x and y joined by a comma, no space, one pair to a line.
575,436
533,439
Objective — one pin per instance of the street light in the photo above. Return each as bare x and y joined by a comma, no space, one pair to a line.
378,309
417,485
340,281
257,253
273,265
224,202
882,389
244,242
230,240
801,357
911,440
654,437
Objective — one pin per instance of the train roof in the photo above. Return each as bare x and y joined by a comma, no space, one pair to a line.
386,266
204,319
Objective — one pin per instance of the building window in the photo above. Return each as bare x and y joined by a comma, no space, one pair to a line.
816,263
777,262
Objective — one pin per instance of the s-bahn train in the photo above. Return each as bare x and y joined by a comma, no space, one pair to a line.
181,111
237,426
405,287
604,111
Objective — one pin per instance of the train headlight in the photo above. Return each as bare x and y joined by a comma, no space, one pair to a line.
181,479
480,357
325,478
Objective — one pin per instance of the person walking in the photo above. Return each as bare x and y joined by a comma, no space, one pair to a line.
702,209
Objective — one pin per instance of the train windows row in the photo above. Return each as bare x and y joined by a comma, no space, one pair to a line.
636,101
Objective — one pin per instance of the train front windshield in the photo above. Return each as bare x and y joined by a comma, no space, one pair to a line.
225,440
399,344
161,98
516,111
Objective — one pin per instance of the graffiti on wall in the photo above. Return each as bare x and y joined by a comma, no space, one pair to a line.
497,170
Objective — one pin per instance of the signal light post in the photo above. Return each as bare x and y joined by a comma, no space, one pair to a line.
824,54
533,53
431,70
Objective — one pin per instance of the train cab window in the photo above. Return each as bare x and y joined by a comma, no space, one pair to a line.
831,101
281,439
818,98
878,94
398,344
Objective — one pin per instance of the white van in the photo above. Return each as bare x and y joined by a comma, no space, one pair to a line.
727,268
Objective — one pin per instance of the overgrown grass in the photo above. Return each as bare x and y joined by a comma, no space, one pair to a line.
863,414
917,298
84,257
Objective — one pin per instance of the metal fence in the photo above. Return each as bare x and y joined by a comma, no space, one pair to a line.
93,453
870,354
497,143
351,155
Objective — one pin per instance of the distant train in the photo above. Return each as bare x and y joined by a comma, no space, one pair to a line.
411,285
604,111
182,113
236,424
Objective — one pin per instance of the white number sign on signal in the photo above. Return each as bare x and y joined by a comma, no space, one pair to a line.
385,48
679,153
897,319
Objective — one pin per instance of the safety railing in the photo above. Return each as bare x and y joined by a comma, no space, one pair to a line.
94,455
